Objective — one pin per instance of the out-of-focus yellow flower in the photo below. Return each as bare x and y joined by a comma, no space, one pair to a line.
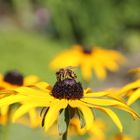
13,79
122,137
10,81
97,59
96,132
32,119
65,97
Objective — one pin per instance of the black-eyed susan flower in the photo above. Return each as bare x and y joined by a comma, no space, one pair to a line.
12,80
96,59
63,101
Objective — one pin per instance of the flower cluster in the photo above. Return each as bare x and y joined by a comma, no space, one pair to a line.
65,102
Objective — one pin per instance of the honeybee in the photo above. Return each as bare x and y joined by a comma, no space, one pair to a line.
66,72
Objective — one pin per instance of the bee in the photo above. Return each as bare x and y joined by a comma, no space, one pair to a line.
66,72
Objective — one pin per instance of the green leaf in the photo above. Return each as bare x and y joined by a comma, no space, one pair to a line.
81,118
62,124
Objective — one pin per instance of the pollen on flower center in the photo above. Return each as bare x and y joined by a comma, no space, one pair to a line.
68,89
14,77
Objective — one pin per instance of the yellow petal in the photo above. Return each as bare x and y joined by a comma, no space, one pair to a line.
26,107
117,104
134,96
129,110
4,110
130,86
86,69
115,94
28,91
69,57
53,112
113,116
31,79
42,85
88,90
33,117
95,94
11,99
102,102
99,70
97,130
87,113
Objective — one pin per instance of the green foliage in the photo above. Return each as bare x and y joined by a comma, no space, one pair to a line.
89,22
94,21
28,53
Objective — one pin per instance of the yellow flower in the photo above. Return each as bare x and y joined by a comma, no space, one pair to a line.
12,80
132,90
65,100
97,59
95,132
33,119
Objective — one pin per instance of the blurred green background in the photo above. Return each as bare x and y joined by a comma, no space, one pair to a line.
32,32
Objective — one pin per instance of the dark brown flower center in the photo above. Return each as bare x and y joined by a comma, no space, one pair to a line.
87,51
67,89
14,78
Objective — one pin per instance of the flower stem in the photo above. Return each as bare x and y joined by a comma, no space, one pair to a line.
67,119
64,137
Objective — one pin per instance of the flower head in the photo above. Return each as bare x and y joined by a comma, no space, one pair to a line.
12,80
65,100
95,59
